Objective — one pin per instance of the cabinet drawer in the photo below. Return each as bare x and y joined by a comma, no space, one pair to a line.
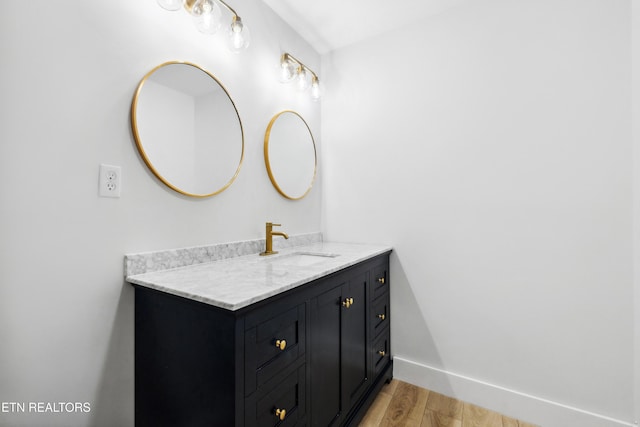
381,352
379,315
379,281
273,345
265,409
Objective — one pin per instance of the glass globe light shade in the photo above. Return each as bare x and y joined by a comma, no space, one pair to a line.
303,81
201,6
316,89
238,35
287,71
207,16
171,5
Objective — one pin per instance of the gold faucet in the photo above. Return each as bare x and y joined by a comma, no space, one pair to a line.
270,233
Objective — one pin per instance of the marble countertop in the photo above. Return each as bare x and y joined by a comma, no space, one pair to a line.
237,282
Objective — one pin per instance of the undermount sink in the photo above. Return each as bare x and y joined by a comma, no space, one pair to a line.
302,259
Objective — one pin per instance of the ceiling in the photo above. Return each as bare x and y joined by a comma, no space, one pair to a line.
332,24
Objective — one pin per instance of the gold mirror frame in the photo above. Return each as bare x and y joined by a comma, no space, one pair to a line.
138,139
267,162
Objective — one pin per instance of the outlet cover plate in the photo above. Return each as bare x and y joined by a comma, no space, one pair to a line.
110,181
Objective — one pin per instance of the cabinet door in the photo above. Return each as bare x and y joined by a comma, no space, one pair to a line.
339,357
325,311
355,375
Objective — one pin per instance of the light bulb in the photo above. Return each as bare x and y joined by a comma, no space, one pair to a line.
171,5
200,6
287,71
316,89
238,35
302,81
207,16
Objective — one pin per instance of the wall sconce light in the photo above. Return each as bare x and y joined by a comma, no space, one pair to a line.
292,70
207,17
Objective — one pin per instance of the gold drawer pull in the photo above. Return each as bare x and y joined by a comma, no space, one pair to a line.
382,353
348,302
281,344
381,280
382,316
281,413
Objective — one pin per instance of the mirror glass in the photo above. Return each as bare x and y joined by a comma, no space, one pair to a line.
290,155
187,129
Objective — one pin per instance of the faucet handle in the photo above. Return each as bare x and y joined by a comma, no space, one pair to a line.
273,224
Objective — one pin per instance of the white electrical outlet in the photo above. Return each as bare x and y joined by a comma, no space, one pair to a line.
110,181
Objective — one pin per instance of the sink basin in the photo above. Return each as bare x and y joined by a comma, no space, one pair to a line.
302,259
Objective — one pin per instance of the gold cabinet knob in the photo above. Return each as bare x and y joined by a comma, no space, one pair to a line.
281,413
281,344
381,280
382,353
348,302
382,316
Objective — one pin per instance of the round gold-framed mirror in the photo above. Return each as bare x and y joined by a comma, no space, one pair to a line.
187,129
290,155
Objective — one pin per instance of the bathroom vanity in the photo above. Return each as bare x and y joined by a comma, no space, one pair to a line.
300,338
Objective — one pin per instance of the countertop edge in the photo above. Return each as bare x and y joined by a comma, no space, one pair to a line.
154,281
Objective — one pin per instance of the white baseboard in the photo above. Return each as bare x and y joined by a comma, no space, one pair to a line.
535,410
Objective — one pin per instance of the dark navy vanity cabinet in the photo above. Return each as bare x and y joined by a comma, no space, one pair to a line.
315,355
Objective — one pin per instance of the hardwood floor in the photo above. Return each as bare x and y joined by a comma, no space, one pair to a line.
405,405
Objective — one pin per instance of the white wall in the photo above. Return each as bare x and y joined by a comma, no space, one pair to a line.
491,146
635,6
69,70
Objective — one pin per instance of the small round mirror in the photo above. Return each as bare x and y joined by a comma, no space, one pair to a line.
187,129
290,155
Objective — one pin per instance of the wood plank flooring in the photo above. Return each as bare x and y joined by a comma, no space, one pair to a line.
400,404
